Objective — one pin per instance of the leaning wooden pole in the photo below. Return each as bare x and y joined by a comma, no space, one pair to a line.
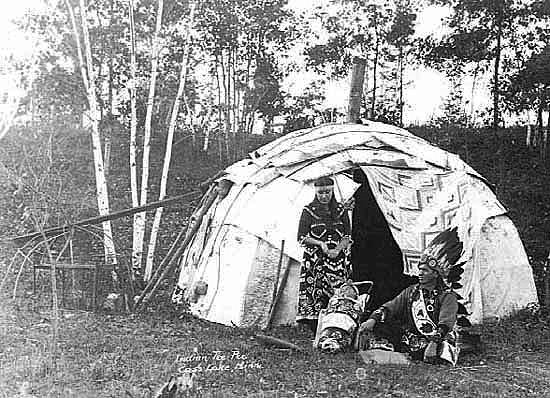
279,287
117,214
153,285
100,219
270,340
356,89
174,248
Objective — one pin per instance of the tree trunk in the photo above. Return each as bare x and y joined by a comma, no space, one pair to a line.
496,89
133,129
78,46
401,67
99,76
472,95
140,219
539,115
206,140
238,95
110,118
221,116
496,114
101,182
168,151
356,89
229,132
6,119
205,126
375,70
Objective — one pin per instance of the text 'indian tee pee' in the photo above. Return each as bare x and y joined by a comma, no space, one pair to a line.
230,272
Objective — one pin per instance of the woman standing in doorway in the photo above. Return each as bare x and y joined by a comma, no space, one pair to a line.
324,231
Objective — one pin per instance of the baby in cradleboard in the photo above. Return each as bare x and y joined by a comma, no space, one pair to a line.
339,322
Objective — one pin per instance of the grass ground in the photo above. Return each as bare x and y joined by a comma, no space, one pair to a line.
101,355
116,355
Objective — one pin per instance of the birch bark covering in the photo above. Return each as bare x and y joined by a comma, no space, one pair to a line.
101,182
168,153
139,219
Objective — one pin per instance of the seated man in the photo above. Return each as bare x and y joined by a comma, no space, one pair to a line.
422,318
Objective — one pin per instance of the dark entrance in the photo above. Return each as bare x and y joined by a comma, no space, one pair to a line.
374,254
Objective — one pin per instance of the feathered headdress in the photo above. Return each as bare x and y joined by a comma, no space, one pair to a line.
442,255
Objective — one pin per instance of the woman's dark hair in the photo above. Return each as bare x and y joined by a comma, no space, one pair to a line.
323,182
333,207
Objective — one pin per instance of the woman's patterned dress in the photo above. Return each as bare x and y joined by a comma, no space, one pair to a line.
321,275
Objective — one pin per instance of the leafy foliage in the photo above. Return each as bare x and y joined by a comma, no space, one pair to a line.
499,31
381,32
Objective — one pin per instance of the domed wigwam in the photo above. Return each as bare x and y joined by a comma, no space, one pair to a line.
234,271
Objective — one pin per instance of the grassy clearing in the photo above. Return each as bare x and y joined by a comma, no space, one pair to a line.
102,355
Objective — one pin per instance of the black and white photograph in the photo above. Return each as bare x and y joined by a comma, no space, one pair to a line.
274,198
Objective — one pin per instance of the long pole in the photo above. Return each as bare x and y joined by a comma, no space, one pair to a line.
356,89
106,217
276,288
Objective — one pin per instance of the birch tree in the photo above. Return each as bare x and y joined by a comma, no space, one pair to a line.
169,141
136,263
140,219
8,106
85,60
242,39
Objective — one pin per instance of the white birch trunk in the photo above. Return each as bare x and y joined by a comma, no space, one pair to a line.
168,152
78,47
206,140
140,218
136,263
101,182
10,110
